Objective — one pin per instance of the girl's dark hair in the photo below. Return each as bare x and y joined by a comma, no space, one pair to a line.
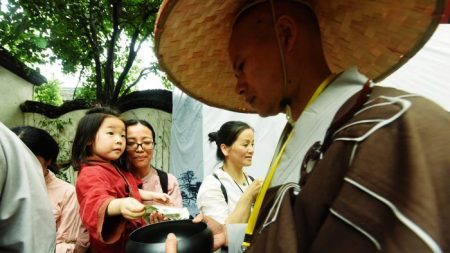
86,131
227,134
133,122
40,142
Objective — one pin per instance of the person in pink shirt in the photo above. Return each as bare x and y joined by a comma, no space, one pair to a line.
140,148
71,235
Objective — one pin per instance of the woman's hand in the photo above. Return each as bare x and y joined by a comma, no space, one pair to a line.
159,197
253,189
162,198
241,212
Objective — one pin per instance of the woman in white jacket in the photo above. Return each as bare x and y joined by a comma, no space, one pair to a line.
229,193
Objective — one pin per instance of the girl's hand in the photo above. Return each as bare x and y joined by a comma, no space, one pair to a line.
131,208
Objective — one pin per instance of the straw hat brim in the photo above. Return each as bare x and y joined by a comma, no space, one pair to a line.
191,41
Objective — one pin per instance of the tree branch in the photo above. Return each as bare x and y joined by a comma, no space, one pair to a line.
91,33
131,56
78,83
130,59
109,66
144,72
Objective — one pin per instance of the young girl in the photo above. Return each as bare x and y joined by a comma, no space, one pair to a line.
110,201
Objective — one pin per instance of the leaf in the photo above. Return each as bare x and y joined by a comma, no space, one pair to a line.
40,42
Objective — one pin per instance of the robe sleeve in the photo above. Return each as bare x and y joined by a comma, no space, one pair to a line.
67,233
94,192
26,220
235,234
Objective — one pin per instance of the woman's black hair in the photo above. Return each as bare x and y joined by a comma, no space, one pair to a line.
40,142
133,122
227,134
86,131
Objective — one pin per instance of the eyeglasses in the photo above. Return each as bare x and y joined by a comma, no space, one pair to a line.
146,145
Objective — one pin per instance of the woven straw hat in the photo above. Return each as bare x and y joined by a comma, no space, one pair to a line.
378,36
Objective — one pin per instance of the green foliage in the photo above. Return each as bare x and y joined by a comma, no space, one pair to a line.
86,92
58,128
19,35
49,93
100,39
154,68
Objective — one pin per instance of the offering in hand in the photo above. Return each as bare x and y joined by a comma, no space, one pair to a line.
170,213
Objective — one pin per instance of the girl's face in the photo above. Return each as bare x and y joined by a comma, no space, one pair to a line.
109,142
139,146
240,153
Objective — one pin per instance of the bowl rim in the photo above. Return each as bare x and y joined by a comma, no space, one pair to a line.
180,240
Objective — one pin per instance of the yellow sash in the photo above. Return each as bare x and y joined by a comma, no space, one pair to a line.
274,165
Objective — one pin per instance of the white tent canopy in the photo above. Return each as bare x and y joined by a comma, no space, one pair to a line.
428,72
191,150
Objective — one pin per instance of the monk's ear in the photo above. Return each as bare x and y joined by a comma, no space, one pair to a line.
288,31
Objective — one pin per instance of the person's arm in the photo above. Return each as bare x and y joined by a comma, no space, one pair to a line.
163,198
69,221
174,191
241,212
26,218
82,244
101,212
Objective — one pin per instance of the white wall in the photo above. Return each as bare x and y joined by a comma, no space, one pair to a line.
13,91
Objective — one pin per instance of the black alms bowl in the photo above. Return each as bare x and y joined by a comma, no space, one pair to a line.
191,237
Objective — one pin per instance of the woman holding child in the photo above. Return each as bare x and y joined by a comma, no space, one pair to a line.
110,201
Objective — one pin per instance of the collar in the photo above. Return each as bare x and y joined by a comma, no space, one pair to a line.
313,123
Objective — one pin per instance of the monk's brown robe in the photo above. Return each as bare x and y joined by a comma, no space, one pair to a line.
387,191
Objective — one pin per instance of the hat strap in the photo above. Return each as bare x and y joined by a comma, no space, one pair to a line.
283,64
